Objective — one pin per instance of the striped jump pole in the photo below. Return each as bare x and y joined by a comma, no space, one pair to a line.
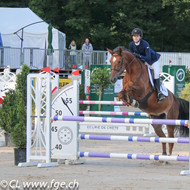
133,138
120,120
114,113
102,102
133,156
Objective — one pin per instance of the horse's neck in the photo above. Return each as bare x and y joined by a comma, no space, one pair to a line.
138,75
134,70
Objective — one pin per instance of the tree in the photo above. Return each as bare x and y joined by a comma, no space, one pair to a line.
187,75
8,111
138,14
13,3
21,82
79,19
13,111
101,79
176,20
18,133
185,92
82,96
50,10
108,23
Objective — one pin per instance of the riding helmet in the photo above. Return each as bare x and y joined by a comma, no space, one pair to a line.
137,31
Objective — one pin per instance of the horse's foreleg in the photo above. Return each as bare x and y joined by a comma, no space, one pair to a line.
124,96
170,129
160,133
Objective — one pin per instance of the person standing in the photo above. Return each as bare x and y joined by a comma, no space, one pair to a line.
141,49
87,50
72,47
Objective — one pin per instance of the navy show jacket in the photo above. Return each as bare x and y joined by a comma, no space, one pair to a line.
147,54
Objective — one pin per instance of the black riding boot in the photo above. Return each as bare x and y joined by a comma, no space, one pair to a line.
160,96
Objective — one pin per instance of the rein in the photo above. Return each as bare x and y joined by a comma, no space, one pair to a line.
122,64
140,74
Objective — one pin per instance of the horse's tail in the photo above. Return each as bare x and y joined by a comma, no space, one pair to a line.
183,114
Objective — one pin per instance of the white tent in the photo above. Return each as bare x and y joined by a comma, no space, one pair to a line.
34,36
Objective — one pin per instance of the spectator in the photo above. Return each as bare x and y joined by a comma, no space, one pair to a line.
87,49
72,47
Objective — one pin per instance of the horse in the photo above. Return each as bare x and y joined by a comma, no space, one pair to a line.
137,86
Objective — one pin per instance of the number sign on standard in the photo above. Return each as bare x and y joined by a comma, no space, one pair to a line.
64,133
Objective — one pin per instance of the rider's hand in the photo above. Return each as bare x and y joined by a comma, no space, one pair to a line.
137,55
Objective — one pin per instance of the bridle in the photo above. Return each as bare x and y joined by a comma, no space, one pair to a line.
119,70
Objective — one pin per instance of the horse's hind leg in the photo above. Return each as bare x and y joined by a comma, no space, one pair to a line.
172,114
171,130
159,132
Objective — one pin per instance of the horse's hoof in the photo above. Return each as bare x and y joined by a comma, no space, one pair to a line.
120,95
161,163
164,162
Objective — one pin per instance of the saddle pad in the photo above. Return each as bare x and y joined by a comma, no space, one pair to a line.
163,89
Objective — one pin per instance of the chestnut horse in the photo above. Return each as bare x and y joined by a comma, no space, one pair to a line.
136,84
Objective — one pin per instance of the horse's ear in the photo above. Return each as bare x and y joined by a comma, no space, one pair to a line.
110,51
120,51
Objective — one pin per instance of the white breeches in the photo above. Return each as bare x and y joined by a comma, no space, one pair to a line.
156,67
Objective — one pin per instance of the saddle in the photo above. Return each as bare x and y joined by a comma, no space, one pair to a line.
151,69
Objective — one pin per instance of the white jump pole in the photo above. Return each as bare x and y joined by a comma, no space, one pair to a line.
114,113
120,120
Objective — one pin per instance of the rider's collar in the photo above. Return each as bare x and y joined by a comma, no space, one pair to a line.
137,43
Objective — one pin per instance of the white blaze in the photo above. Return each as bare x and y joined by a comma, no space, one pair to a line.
114,59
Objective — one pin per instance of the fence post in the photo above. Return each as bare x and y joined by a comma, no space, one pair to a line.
31,57
2,57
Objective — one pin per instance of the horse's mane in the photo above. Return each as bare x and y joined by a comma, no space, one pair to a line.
116,50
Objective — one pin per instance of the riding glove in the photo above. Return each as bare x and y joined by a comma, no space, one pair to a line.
137,55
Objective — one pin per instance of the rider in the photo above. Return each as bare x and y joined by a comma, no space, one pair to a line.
141,49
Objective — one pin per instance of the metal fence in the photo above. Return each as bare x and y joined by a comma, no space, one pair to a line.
37,58
169,58
175,58
10,56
